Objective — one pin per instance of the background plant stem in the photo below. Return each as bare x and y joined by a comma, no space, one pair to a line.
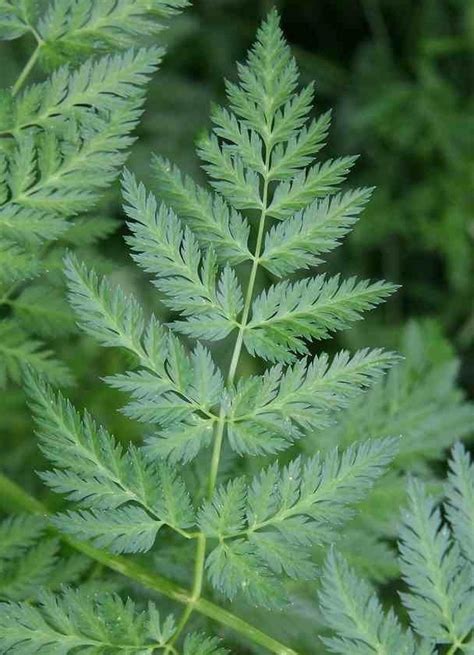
26,70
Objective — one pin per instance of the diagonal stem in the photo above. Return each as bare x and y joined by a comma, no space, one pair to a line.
13,497
26,70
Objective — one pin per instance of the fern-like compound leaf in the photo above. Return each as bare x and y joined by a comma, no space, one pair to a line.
130,499
63,141
440,600
269,412
126,529
40,172
186,276
353,611
317,491
234,567
286,315
269,526
211,219
97,85
77,621
105,312
460,500
272,205
297,242
172,391
267,82
419,399
83,26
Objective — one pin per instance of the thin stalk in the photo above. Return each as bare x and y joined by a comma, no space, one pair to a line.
216,613
196,591
219,435
250,289
14,497
26,70
243,324
216,453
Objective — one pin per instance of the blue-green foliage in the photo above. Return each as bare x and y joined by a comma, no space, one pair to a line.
419,400
63,141
189,241
128,498
68,29
186,276
267,527
460,500
82,622
436,568
256,535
